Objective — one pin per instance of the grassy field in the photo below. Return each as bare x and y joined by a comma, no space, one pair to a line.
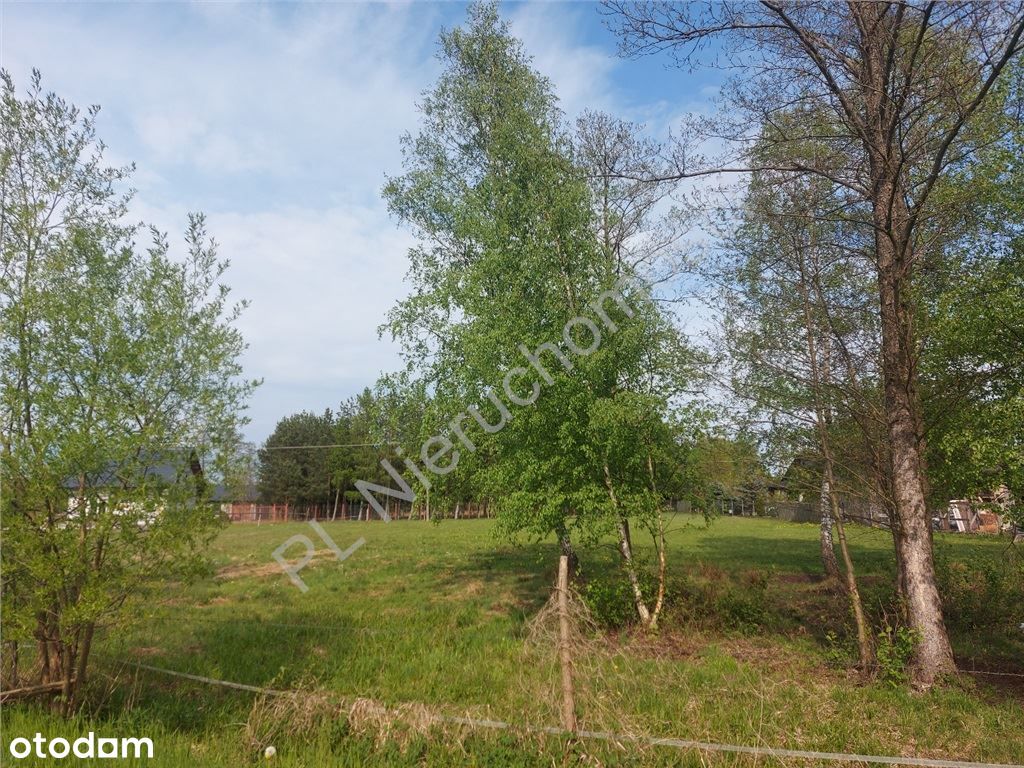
436,619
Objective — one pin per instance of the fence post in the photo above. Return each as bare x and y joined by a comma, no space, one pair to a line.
568,699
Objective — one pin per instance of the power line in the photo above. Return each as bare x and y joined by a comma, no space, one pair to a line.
327,445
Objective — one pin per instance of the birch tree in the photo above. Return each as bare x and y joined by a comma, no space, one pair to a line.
904,84
505,279
795,318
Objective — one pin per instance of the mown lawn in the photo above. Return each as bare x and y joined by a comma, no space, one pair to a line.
754,650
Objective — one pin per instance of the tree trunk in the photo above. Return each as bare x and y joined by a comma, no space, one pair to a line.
83,663
884,473
933,655
659,545
9,677
828,552
865,648
626,550
820,364
48,662
894,261
565,544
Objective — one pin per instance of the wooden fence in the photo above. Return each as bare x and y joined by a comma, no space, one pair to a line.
246,512
854,510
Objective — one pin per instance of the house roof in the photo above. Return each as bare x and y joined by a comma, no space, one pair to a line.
245,492
164,467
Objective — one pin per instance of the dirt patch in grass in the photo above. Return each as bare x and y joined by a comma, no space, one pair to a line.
798,578
253,570
991,664
246,571
996,687
769,657
146,652
471,588
999,677
774,658
666,645
508,607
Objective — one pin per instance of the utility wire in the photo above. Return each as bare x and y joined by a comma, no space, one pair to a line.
328,445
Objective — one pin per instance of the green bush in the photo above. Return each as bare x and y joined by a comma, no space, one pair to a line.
743,609
725,601
609,597
838,653
895,647
981,595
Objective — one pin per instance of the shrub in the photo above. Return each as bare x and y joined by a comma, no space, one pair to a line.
743,609
983,594
609,597
738,603
895,647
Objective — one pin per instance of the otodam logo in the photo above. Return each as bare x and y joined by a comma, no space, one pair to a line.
88,746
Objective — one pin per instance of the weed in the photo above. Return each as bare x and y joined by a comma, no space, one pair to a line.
837,653
609,597
893,651
984,593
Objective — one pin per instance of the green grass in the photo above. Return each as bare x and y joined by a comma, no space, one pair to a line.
438,615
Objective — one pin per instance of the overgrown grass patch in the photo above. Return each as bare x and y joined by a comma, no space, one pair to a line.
754,649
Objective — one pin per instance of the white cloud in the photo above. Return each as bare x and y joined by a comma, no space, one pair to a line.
580,72
280,121
320,282
169,136
234,89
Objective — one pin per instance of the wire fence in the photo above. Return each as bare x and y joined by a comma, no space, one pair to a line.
607,736
613,731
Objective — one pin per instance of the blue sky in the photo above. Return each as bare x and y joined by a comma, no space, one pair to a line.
280,121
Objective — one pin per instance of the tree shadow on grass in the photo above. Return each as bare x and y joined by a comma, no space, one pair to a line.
785,555
519,578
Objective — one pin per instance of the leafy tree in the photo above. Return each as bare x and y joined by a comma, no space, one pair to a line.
978,334
732,468
120,391
356,456
375,426
972,318
795,320
295,462
508,274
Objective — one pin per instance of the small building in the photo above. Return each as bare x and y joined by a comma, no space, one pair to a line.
982,514
159,471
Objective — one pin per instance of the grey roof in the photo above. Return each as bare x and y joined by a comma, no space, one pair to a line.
166,467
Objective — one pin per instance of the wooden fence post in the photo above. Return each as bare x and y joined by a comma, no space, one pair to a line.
568,699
